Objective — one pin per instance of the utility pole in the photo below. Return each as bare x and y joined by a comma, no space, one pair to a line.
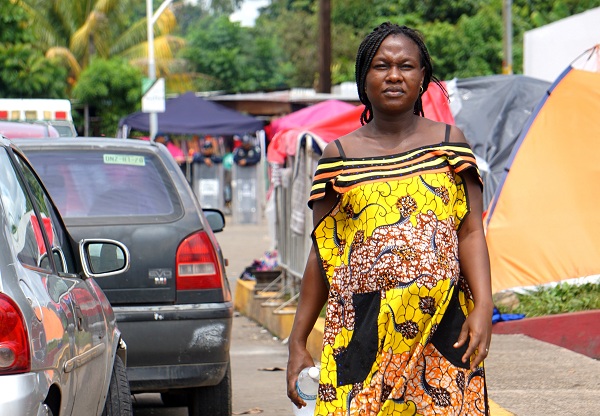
507,61
151,18
324,46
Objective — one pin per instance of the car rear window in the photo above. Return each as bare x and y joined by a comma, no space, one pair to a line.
104,182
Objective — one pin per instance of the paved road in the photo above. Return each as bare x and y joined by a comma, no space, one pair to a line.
258,378
258,359
525,377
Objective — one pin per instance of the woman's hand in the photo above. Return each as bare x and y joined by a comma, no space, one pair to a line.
299,358
478,329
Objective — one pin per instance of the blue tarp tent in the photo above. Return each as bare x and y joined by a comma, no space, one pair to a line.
189,114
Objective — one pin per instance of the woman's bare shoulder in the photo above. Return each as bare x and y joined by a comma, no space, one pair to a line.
330,151
346,141
435,131
456,135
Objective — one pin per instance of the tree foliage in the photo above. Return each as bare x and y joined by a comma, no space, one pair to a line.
231,58
464,37
114,87
24,71
75,31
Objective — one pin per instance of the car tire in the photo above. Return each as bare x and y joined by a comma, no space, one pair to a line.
118,399
212,400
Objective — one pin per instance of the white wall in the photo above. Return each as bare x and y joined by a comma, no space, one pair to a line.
548,50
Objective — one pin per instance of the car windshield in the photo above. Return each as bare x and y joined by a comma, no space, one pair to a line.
64,130
104,182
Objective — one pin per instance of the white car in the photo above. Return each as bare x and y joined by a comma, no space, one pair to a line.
61,352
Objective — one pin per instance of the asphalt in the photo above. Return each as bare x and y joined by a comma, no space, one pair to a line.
525,376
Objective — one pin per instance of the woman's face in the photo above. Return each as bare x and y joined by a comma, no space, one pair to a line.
395,76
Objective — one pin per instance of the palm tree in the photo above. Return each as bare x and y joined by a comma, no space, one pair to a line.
75,31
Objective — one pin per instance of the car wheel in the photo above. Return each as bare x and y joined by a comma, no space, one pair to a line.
212,400
118,399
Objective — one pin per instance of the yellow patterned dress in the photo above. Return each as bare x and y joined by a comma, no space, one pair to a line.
397,301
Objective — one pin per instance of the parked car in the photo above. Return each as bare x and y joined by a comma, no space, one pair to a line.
14,129
61,352
174,305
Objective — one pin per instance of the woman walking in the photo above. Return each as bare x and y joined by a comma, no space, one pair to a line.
399,254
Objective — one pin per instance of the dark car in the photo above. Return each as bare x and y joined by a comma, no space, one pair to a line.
174,305
61,352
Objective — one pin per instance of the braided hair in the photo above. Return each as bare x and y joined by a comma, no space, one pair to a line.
366,52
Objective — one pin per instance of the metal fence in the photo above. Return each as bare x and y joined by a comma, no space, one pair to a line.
293,219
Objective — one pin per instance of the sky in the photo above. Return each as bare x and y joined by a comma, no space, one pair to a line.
248,12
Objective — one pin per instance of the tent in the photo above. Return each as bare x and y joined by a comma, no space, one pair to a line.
542,224
189,114
309,115
492,111
285,129
549,48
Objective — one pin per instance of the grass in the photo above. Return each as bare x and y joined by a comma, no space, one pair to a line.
562,298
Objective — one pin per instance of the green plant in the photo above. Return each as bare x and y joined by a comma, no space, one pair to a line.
561,298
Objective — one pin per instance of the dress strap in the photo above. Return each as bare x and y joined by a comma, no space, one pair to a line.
340,149
447,137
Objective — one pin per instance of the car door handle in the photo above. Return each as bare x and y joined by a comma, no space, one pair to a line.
79,317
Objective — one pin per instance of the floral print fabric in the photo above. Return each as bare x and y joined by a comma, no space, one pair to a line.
389,254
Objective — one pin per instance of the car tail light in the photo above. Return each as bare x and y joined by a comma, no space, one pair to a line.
197,264
14,345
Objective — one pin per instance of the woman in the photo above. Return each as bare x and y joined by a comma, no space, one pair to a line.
399,253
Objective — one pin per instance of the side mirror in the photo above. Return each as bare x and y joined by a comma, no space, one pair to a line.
215,218
101,258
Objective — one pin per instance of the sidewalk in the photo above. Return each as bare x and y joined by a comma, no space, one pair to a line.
525,376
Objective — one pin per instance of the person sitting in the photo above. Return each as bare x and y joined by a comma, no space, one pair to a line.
248,154
175,151
207,154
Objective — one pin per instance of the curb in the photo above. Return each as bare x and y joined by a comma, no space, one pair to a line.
279,321
575,331
263,310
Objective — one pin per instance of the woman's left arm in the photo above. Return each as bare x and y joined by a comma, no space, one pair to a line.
475,267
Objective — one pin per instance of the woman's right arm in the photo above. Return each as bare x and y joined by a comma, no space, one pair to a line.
313,295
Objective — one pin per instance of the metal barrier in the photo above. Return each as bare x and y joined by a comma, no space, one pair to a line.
247,194
208,185
293,218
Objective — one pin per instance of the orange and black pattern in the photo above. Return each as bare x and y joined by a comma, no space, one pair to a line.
389,253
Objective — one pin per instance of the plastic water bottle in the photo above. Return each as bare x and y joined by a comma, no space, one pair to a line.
307,387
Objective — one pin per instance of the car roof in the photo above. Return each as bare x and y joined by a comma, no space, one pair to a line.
86,142
14,129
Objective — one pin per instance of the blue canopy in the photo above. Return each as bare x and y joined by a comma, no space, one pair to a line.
189,114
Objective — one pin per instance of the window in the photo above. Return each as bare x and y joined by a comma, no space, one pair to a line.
61,248
90,183
25,228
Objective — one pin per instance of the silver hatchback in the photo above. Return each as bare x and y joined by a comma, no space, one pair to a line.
174,305
61,352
